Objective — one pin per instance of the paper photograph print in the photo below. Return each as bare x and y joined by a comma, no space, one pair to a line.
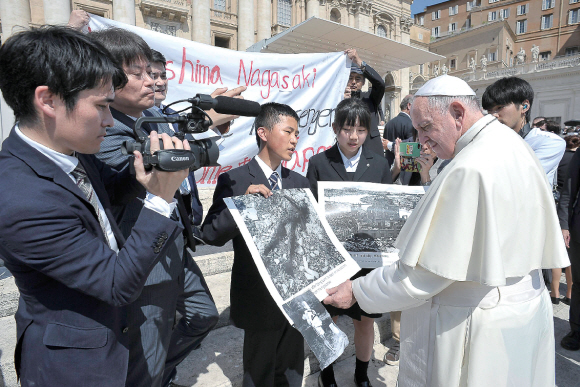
291,243
367,217
312,320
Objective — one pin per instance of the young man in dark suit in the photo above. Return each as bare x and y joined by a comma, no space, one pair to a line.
399,127
158,343
72,265
273,349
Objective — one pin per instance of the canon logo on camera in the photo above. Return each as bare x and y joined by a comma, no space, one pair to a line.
175,158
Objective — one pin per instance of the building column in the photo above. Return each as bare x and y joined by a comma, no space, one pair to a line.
201,21
246,24
15,13
264,19
124,11
312,8
56,11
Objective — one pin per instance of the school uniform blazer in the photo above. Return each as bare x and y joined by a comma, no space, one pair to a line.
328,166
252,307
70,324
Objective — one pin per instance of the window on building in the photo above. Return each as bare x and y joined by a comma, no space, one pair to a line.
420,36
521,26
491,16
574,1
452,27
221,41
454,10
468,23
335,15
547,21
381,31
545,55
435,15
219,5
421,69
522,9
452,63
469,5
492,56
285,12
493,1
421,20
573,16
504,13
435,32
571,51
547,4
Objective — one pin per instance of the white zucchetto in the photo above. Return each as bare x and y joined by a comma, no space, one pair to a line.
445,85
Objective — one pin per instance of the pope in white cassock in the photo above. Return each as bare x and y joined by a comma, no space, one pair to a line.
475,308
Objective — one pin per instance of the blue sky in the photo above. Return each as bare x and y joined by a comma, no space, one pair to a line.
419,5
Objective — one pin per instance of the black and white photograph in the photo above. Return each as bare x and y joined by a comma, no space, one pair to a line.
323,336
367,217
291,241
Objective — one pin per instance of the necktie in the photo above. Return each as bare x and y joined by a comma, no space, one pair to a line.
274,180
86,187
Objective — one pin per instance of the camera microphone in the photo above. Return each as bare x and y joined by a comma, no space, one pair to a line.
226,105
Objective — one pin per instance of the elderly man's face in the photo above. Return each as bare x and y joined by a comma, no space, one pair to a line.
440,131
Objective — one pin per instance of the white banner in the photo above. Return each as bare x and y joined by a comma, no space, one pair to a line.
312,84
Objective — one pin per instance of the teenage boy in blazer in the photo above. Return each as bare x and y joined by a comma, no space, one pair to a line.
273,350
73,267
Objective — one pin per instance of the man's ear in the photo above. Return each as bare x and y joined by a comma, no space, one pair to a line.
526,105
45,101
262,133
457,110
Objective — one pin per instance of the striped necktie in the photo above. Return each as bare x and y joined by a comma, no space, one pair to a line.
86,187
274,181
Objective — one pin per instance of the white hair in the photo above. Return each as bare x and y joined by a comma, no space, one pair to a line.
442,103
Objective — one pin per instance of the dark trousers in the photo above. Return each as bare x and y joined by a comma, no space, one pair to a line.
574,255
273,358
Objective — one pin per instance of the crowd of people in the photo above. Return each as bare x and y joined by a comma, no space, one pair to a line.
101,256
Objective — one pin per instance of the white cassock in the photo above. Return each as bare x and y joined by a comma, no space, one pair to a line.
475,308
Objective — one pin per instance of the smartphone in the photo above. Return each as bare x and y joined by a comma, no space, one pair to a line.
409,152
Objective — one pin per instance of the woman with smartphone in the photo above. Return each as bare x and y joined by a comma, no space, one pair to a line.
349,160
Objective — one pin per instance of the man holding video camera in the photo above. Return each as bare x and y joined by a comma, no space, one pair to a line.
157,343
73,267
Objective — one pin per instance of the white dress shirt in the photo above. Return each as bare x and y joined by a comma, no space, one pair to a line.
69,163
268,171
549,148
352,163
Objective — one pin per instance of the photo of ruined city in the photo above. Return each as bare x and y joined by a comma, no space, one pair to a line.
368,217
291,240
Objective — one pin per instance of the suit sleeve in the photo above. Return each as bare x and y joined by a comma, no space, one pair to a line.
313,176
219,225
111,148
569,193
54,240
121,186
378,89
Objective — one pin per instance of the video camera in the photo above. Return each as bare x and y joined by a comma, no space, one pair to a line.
203,153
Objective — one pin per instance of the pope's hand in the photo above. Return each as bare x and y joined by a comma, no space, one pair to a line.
341,296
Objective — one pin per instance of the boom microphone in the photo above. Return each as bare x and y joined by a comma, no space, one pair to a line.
226,105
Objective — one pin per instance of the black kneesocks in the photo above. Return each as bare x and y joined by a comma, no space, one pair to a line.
360,370
327,375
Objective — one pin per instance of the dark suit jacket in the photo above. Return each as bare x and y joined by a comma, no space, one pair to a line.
328,166
70,327
399,127
569,206
373,101
252,306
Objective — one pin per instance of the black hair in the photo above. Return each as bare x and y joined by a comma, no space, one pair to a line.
158,57
126,47
269,116
553,126
572,141
508,90
348,110
59,57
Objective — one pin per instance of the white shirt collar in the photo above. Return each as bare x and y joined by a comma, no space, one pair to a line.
352,163
65,162
268,171
407,114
